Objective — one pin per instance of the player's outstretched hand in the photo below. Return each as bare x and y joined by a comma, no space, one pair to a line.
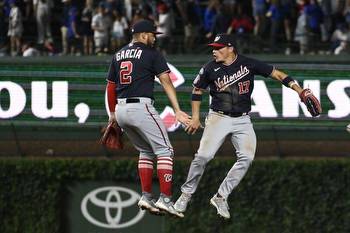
182,117
193,126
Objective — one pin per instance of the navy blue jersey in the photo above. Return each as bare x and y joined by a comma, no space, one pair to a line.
231,86
133,69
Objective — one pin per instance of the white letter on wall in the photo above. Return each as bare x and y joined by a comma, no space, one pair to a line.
17,99
341,101
59,99
262,99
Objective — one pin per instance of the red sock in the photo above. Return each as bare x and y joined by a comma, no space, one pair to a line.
146,174
165,174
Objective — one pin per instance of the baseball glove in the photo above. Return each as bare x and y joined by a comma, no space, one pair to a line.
112,136
311,102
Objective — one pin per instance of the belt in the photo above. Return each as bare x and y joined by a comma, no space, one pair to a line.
128,101
135,100
231,114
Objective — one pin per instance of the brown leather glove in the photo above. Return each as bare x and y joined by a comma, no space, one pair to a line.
112,136
311,102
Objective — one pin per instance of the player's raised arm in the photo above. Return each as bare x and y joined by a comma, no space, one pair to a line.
286,80
171,93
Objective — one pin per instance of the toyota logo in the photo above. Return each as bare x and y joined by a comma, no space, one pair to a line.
112,203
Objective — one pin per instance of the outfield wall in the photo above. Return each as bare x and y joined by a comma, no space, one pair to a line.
55,106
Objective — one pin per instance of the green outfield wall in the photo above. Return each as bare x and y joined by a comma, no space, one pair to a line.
74,196
62,98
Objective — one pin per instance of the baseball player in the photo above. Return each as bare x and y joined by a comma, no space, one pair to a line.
130,100
230,78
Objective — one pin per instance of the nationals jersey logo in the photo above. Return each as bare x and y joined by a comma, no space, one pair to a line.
225,81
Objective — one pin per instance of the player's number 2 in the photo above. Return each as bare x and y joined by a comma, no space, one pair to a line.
125,71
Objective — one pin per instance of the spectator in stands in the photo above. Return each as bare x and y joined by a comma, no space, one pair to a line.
3,25
42,12
118,36
28,50
276,14
191,21
314,19
164,26
99,26
347,12
209,15
259,12
300,34
86,30
221,21
230,5
127,9
15,28
340,39
288,8
65,25
137,17
149,6
326,30
72,33
241,26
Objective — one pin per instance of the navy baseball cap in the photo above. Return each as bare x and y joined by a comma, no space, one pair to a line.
223,40
144,26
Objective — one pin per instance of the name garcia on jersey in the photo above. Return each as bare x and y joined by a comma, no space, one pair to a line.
129,53
227,80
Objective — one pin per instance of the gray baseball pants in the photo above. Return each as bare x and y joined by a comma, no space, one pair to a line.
243,138
144,127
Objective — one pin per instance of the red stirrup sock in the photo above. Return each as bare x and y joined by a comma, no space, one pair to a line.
146,174
165,174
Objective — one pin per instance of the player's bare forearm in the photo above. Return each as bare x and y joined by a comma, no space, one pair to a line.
195,123
196,104
169,90
280,76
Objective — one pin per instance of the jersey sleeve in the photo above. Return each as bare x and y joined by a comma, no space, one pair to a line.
160,65
261,68
201,81
112,72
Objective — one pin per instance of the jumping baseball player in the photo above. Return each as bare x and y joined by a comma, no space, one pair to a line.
230,78
130,100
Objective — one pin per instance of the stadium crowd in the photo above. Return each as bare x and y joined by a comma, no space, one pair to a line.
69,27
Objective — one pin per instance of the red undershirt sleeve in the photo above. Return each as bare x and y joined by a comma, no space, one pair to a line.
111,96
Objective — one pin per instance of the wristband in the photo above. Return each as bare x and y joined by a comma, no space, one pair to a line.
196,97
287,80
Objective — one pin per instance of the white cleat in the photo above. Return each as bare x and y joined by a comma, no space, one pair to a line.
182,202
148,204
164,203
221,206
